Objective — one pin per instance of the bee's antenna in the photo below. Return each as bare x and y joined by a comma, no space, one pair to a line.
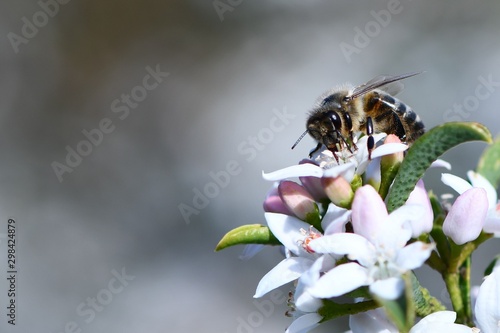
300,138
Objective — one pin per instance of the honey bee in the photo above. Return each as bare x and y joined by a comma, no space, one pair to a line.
369,108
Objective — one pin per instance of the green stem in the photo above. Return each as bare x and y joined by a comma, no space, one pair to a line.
452,284
436,263
388,171
442,245
465,289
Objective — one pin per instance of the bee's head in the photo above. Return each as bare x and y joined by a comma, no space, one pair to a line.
324,126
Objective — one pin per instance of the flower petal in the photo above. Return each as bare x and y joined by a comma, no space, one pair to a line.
361,155
287,270
440,164
368,212
456,183
313,186
339,170
487,309
414,255
301,170
372,173
287,230
355,246
390,288
492,223
304,301
395,233
466,218
419,197
304,323
388,148
479,181
335,219
371,321
340,280
250,250
441,321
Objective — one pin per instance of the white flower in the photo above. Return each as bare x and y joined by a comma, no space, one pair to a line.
377,321
492,222
487,307
378,248
304,323
441,321
348,165
306,305
373,321
335,219
295,235
419,197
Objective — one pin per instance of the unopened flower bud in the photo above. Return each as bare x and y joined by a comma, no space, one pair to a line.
396,157
338,190
466,218
389,165
313,184
297,199
274,204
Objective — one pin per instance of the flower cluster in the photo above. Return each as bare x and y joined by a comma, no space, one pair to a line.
357,225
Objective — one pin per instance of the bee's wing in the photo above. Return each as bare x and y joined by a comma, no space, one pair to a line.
392,88
389,84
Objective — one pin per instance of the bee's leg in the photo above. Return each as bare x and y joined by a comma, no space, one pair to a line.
348,123
371,141
315,149
345,142
334,151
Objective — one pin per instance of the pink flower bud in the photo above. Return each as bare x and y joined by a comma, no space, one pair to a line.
338,190
394,157
274,204
313,184
297,199
466,218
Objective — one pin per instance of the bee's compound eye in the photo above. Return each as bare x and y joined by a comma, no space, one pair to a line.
348,121
334,117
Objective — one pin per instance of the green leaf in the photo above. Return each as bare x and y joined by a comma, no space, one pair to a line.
331,310
248,234
426,150
425,304
489,163
437,209
492,265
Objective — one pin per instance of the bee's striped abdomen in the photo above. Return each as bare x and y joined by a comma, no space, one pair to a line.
392,116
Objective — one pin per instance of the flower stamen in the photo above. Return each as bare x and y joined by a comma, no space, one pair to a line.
309,236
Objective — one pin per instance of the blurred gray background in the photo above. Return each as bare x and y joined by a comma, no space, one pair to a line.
232,67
